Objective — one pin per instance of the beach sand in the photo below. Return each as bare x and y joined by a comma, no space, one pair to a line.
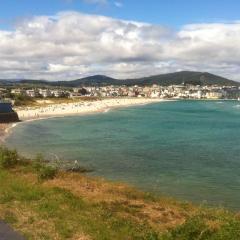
81,107
70,109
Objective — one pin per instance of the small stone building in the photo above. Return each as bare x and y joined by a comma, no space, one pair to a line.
7,115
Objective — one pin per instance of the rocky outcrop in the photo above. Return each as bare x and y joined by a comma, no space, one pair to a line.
9,117
7,114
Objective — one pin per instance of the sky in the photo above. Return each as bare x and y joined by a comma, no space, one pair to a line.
69,39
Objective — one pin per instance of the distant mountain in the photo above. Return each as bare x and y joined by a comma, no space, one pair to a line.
97,80
186,77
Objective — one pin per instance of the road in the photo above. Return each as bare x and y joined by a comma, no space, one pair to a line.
7,233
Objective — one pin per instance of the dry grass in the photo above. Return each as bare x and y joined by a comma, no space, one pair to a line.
163,213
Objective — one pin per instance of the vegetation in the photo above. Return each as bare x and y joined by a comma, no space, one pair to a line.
39,102
47,203
47,172
8,158
23,100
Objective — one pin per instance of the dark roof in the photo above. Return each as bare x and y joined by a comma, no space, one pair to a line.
5,108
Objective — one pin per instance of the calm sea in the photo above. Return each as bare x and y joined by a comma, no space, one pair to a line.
185,149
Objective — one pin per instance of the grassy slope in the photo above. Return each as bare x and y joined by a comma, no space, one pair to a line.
74,206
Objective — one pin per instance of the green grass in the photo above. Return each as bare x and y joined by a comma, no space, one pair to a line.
68,214
198,227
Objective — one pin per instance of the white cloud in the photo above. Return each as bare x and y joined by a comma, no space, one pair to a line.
118,4
72,45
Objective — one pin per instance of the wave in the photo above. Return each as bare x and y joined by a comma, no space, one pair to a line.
107,110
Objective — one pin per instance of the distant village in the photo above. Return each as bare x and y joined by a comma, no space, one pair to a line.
155,91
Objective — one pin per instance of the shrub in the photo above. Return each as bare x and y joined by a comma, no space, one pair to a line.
44,171
8,158
47,172
22,100
38,162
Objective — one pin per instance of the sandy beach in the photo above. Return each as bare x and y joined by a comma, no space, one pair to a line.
83,107
71,109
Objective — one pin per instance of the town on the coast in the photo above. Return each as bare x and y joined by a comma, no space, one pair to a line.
182,91
32,101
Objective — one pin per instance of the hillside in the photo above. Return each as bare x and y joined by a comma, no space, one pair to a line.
195,78
43,203
188,77
92,81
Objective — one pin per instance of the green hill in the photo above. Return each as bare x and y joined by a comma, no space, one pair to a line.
187,77
195,78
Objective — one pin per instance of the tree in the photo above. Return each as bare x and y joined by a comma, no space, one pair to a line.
83,91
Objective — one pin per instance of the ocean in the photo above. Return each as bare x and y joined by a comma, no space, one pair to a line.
189,150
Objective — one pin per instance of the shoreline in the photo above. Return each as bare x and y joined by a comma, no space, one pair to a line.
29,114
79,108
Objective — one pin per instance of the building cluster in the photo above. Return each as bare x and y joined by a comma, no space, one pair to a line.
155,91
39,92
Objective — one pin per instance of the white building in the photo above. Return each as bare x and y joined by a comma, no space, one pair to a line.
45,93
32,93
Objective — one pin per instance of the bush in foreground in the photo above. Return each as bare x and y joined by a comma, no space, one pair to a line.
44,171
8,158
47,173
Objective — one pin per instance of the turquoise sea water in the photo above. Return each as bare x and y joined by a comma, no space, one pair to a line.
185,149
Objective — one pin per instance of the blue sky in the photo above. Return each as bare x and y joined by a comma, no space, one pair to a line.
69,39
173,13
